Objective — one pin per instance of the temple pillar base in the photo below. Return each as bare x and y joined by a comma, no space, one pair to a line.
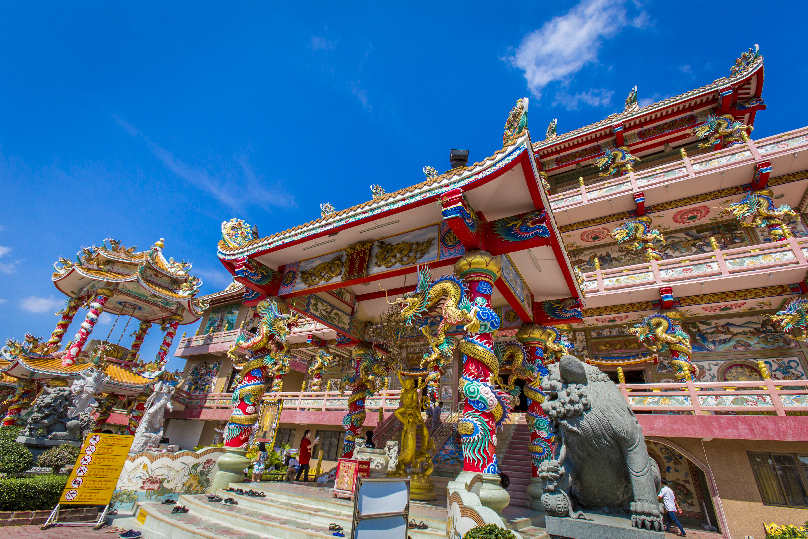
492,495
231,468
534,492
422,489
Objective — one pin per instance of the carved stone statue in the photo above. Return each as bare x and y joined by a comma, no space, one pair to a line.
150,430
83,391
50,414
391,448
603,462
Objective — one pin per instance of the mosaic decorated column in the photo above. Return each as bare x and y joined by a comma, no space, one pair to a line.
355,418
245,413
96,307
482,409
104,410
67,313
170,327
19,401
533,341
140,336
135,412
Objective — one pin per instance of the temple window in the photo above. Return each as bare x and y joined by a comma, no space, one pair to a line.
781,479
285,437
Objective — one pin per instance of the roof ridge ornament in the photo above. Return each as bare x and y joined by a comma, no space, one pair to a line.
326,209
551,130
516,124
430,172
237,233
631,101
377,190
746,59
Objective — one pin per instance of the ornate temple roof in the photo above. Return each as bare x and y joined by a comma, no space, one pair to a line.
651,127
146,285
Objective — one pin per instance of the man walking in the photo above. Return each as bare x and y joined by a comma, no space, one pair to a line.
671,508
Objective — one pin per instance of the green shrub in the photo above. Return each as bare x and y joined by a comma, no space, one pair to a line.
36,493
489,531
9,433
58,456
14,457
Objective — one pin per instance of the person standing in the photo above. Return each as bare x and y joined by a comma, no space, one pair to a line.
304,455
671,508
260,462
434,414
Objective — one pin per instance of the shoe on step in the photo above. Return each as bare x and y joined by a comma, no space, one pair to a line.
131,534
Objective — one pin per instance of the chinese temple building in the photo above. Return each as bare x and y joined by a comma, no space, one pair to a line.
139,286
663,244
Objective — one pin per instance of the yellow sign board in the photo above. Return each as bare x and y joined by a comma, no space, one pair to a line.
97,469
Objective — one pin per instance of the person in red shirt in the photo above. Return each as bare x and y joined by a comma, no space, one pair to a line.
304,455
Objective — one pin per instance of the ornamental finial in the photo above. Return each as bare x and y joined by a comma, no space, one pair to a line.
631,101
377,190
551,129
748,58
326,209
159,243
516,124
430,172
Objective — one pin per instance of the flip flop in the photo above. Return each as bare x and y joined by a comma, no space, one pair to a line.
422,526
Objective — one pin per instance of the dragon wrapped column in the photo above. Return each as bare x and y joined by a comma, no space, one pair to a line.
354,419
170,327
19,401
135,412
140,336
96,307
247,397
483,408
531,339
67,313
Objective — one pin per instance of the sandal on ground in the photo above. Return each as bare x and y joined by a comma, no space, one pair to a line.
412,525
334,527
422,526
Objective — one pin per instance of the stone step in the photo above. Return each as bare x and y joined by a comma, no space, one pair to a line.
190,525
239,516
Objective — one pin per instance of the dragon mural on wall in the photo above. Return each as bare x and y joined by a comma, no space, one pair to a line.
661,333
759,205
637,235
267,356
793,319
467,305
724,130
617,160
369,376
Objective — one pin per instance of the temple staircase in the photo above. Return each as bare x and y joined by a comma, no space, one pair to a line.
289,511
513,456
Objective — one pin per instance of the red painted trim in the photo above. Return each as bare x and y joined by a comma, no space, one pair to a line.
532,186
370,218
510,297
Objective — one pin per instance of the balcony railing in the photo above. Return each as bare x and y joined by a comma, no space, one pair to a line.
301,400
765,397
210,338
790,253
688,167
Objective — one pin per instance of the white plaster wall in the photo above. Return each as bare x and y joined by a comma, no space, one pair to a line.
184,432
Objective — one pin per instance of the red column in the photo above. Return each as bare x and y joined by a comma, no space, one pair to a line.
22,398
481,410
139,336
245,413
96,307
170,327
135,414
67,313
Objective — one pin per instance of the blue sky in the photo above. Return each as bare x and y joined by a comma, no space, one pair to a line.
164,119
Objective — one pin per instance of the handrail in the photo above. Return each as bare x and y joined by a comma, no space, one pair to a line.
778,396
687,167
786,253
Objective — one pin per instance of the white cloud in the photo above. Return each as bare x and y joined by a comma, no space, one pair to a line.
594,97
566,43
360,93
2,300
645,101
4,250
7,267
319,43
228,184
36,304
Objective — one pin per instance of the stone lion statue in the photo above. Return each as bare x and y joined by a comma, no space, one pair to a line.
602,461
50,414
